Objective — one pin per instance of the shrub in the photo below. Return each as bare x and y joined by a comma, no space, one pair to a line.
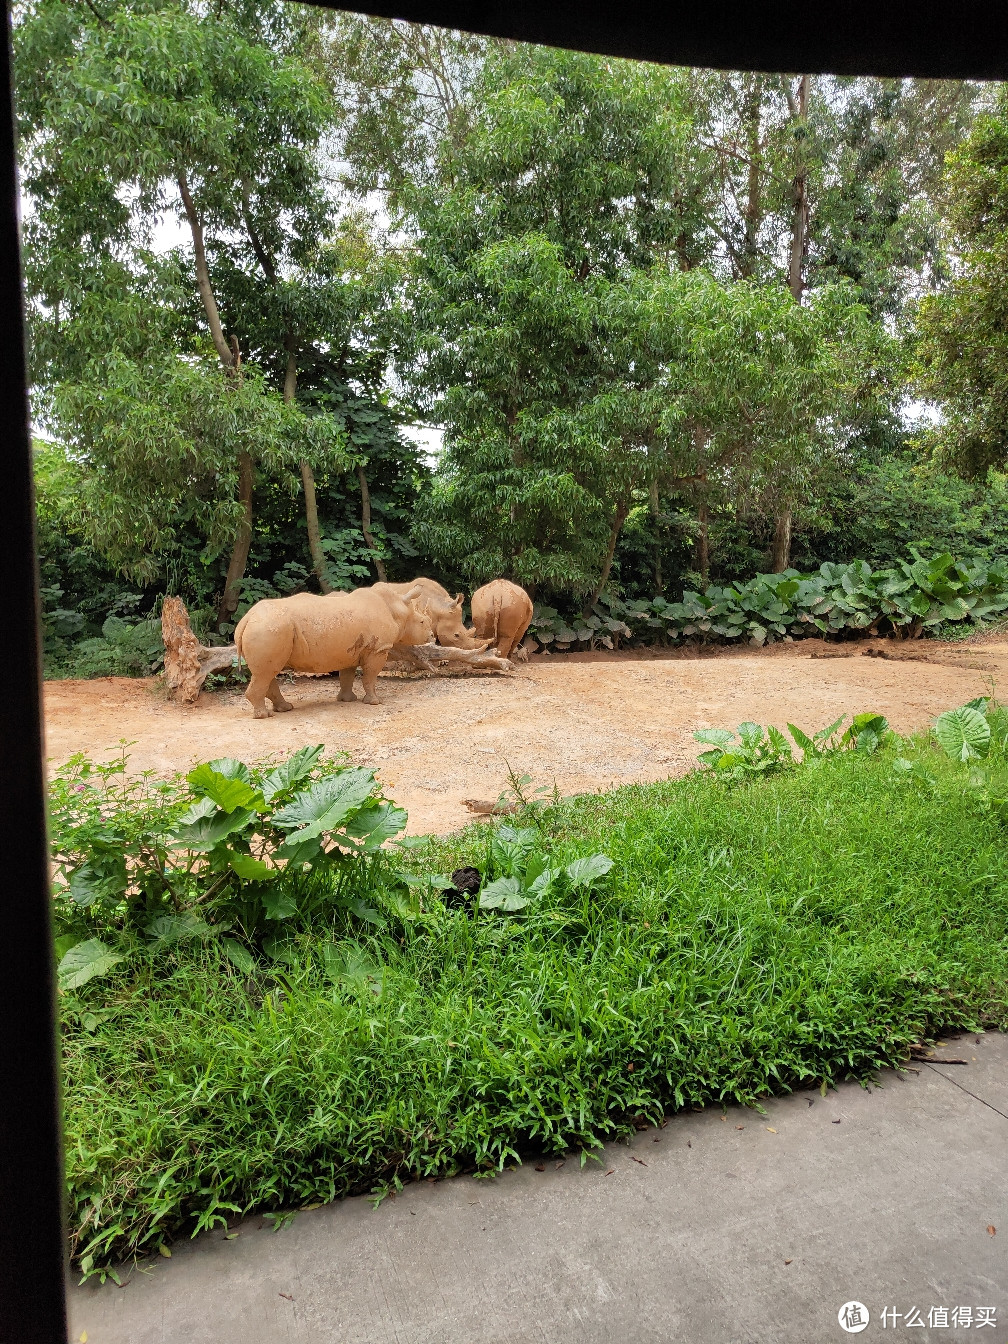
919,595
247,856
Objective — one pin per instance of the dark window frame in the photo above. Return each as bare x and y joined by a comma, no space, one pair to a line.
954,39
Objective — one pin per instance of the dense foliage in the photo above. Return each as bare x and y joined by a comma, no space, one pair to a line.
918,595
666,320
964,348
751,929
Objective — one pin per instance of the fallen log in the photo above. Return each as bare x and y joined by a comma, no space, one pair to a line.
432,657
188,663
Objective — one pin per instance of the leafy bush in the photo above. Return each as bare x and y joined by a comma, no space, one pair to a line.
755,750
976,732
920,594
123,649
528,875
257,855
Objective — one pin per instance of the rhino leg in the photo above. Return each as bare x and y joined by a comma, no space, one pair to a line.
256,693
274,693
369,675
346,683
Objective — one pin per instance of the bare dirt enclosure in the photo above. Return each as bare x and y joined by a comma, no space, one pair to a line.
584,721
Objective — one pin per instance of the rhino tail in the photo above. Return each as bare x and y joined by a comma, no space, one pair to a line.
239,631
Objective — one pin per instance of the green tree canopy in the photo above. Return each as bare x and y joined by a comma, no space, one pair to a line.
575,360
964,330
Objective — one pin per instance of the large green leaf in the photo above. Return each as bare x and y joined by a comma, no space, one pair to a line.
231,769
238,955
205,834
227,791
504,894
377,823
250,869
718,737
168,929
297,852
64,942
101,879
963,734
586,872
85,961
278,904
291,772
327,804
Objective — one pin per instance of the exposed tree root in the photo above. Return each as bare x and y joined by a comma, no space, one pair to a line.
187,662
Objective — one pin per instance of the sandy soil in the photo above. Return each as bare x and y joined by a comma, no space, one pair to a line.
583,721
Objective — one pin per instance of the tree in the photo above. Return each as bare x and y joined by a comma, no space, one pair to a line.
407,89
963,332
828,180
160,447
580,365
575,174
878,214
141,108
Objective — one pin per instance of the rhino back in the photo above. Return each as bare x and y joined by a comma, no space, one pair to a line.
319,634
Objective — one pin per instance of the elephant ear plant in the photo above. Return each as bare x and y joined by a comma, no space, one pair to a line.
249,856
976,736
528,875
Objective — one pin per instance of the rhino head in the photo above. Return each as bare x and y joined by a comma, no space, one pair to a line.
418,628
450,628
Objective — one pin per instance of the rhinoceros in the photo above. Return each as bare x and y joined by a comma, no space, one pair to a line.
501,613
444,611
335,633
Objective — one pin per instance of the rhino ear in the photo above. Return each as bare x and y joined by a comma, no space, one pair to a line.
459,599
414,592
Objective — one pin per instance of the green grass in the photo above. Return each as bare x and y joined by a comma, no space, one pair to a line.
805,927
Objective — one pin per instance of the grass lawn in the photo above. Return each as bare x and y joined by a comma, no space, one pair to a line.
800,928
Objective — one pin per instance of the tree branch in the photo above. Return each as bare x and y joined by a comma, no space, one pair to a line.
262,256
203,275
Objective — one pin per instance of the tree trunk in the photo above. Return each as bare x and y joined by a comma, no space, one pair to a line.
290,373
653,501
701,549
366,523
231,359
314,536
619,518
799,202
781,555
753,214
307,479
239,556
203,276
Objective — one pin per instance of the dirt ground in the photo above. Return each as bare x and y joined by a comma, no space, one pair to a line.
583,720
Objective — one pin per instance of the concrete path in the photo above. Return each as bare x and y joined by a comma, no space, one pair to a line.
753,1229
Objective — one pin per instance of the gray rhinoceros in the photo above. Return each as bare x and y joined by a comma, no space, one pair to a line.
445,612
335,633
501,613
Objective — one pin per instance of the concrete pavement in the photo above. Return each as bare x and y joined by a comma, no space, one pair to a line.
752,1229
